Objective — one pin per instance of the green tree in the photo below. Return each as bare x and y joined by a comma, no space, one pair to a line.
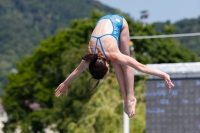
185,26
100,111
189,26
23,23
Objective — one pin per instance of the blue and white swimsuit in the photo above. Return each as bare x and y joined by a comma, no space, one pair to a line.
117,23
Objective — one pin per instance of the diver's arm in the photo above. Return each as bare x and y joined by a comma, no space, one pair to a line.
82,67
126,60
63,87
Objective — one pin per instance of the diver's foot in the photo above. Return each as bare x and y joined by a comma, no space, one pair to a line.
129,107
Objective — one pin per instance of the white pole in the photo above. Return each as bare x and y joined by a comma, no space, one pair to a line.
126,122
165,36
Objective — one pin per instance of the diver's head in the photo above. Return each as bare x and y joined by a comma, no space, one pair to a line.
99,68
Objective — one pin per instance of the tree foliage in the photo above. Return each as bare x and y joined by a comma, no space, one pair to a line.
101,111
189,26
24,23
185,26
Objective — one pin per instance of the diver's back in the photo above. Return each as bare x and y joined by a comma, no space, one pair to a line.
106,32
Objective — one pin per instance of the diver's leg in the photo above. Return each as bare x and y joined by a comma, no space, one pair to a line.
128,71
128,106
120,78
129,82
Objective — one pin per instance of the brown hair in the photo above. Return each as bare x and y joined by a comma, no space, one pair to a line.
97,67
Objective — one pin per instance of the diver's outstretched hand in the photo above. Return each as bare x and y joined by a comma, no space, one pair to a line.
60,89
168,83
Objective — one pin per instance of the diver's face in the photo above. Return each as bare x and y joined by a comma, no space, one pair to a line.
108,66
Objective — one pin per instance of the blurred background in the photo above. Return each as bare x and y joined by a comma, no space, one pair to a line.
41,42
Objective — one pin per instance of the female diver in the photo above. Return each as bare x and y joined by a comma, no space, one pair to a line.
110,42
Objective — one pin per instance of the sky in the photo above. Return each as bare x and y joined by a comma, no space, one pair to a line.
159,10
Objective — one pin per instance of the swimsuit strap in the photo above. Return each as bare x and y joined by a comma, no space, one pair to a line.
99,40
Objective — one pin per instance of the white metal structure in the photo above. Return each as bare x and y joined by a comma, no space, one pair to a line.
166,36
3,117
126,122
176,70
